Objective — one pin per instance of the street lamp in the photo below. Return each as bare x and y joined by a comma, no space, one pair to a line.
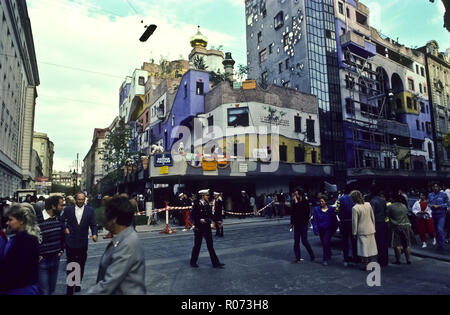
74,179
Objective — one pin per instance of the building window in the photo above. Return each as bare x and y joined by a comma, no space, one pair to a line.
278,21
350,106
271,48
420,88
422,107
259,37
341,7
348,12
417,124
409,102
415,104
299,154
262,56
417,69
298,124
313,156
280,67
411,84
310,130
210,121
238,117
423,126
199,88
264,77
422,71
286,39
185,90
283,153
141,81
286,63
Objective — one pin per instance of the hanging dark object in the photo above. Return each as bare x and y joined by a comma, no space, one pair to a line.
148,32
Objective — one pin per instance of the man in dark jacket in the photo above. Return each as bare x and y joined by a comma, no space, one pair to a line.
344,211
78,219
202,215
299,222
381,235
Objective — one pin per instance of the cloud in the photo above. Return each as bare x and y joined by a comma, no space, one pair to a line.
73,103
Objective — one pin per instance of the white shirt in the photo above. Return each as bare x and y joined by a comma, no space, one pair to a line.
79,213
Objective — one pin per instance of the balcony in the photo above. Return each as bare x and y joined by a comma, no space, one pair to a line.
358,45
393,127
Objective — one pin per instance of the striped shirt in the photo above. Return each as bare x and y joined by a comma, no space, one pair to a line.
53,237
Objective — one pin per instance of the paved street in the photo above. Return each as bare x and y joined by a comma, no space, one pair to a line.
257,257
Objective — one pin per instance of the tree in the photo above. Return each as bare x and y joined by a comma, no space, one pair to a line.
119,149
242,72
446,4
199,63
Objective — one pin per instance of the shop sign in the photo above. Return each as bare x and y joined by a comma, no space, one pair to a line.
163,160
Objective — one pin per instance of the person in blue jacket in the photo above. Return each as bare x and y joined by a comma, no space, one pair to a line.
438,202
325,225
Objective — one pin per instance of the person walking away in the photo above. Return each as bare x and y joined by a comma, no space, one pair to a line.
424,220
344,206
381,226
52,245
438,203
122,266
363,228
19,257
78,219
401,229
324,225
202,214
299,222
217,216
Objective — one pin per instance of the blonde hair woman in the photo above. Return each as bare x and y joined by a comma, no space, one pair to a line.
19,258
363,226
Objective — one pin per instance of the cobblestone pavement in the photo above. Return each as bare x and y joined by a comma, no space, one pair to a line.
257,257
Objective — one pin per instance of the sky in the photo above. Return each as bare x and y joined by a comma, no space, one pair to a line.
86,48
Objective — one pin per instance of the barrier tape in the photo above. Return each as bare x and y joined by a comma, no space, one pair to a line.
190,207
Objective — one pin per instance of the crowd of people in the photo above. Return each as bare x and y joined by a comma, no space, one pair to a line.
371,223
36,233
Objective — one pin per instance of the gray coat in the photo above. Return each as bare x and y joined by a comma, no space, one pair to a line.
122,267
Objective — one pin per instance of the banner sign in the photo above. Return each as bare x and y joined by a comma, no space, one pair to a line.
163,160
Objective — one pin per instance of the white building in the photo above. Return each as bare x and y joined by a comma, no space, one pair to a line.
19,78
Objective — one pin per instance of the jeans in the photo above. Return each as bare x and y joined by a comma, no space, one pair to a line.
48,274
439,222
325,237
301,231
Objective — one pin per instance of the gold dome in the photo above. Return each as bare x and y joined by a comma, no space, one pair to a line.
199,40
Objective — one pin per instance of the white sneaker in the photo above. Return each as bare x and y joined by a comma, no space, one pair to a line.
424,244
184,230
434,241
192,227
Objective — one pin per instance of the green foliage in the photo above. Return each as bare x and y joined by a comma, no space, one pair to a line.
216,78
119,148
199,63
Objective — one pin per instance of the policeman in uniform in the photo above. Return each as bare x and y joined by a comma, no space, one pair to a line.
202,215
217,216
